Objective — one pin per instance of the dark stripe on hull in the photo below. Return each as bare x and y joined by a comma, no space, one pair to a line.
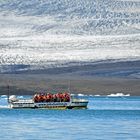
23,107
68,107
76,107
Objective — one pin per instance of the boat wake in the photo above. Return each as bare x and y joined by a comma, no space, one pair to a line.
4,106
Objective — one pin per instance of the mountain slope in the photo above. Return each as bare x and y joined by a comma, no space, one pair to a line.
42,34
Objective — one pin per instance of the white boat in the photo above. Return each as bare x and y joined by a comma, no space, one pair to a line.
46,103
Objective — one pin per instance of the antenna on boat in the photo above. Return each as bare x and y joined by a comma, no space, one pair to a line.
8,93
69,87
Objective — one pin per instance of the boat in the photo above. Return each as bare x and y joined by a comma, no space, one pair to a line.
48,101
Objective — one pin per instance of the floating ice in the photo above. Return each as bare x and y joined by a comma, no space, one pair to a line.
81,94
97,95
20,97
3,96
118,95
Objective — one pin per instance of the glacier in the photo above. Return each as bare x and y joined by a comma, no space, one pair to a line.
42,34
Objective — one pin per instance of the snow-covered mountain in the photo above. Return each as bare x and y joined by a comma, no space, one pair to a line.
56,33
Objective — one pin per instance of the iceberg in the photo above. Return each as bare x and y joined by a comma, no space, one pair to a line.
118,95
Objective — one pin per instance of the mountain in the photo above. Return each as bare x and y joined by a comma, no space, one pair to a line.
44,34
72,17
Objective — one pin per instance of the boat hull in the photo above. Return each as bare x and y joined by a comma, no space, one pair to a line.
50,105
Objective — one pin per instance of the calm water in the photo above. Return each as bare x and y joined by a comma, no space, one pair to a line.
105,119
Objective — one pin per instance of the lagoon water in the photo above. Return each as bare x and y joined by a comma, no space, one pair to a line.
107,118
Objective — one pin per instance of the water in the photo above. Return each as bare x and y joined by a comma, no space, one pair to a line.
106,118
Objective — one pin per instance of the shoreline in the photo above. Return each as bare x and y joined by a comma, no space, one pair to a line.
29,84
